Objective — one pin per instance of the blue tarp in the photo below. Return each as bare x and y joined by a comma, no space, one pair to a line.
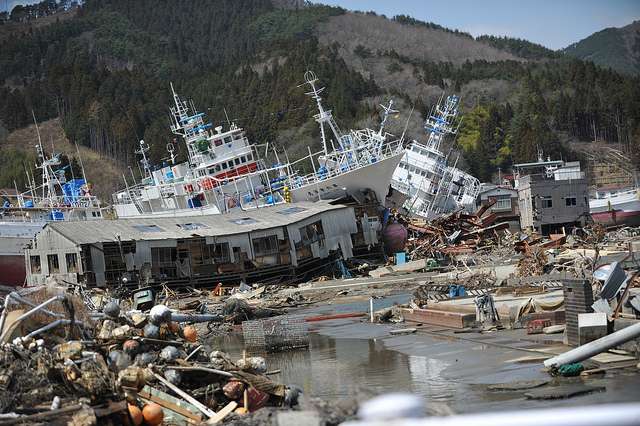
72,191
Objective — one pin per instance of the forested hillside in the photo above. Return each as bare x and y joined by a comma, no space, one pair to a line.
618,48
106,72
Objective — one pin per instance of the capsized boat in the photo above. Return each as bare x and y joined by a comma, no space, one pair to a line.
223,173
424,183
349,162
611,208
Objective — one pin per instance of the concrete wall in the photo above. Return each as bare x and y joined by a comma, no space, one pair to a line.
47,243
531,193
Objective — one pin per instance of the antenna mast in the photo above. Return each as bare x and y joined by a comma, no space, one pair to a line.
324,116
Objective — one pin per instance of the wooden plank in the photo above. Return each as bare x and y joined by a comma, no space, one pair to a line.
170,405
228,409
435,317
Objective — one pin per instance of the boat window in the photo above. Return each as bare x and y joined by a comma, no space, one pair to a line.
224,166
212,171
230,163
237,161
250,156
72,262
217,142
227,139
217,167
36,268
54,264
243,159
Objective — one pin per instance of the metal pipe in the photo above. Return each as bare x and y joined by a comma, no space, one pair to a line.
594,348
196,317
31,312
53,325
15,296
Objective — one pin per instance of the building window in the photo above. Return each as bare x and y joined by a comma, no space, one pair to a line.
54,265
547,202
220,253
72,262
571,201
36,268
312,233
265,246
502,204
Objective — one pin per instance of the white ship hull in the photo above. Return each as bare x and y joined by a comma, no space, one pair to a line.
375,177
621,208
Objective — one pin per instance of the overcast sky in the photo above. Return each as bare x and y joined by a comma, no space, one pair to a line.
552,23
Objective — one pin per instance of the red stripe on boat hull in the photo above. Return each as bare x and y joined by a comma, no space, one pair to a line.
617,217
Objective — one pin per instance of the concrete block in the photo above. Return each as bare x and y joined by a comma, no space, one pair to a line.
592,326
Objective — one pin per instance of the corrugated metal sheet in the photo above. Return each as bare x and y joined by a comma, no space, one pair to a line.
89,232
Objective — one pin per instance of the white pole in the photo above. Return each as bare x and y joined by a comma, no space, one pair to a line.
594,348
371,307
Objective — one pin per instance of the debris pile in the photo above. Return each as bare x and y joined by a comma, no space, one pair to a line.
58,360
455,233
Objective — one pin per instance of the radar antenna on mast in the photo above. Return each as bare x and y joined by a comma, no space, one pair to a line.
144,148
323,116
387,110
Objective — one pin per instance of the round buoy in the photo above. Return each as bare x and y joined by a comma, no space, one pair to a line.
152,414
160,314
190,333
136,414
174,327
131,347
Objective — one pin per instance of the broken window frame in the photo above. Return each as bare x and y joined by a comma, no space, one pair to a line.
71,260
53,262
35,264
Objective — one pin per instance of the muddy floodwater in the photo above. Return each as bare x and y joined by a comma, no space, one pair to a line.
350,357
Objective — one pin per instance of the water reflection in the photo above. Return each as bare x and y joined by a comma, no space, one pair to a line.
338,368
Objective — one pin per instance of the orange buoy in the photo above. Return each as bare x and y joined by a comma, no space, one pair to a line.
136,414
152,414
190,333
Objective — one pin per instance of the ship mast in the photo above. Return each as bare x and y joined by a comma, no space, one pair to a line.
324,116
442,122
387,110
144,148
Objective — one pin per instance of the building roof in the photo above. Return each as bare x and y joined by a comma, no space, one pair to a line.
488,187
94,231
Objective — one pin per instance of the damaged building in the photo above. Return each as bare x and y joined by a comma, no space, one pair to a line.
286,243
552,195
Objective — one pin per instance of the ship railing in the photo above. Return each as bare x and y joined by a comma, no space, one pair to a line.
361,156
